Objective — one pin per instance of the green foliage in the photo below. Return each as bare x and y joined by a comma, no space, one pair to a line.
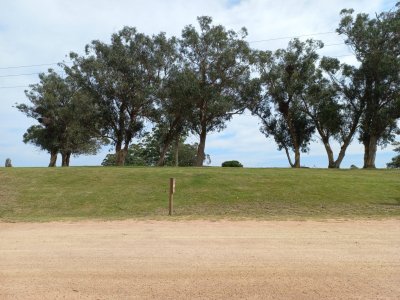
334,105
122,77
218,59
375,42
395,163
187,154
109,160
143,153
65,114
146,152
232,163
195,84
175,104
286,75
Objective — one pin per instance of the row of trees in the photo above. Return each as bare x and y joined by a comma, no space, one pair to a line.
196,83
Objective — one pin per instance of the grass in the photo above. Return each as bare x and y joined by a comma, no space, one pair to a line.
47,194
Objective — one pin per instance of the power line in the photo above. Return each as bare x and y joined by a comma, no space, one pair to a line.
27,74
343,55
20,86
24,86
258,41
329,45
15,75
28,66
15,86
291,37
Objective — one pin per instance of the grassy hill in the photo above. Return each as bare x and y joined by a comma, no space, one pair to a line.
45,194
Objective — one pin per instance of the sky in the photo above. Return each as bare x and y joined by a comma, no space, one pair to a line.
37,34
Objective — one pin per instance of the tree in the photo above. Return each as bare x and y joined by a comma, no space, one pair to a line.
45,139
395,163
219,60
286,75
334,105
65,117
187,155
143,153
375,42
175,107
122,78
146,153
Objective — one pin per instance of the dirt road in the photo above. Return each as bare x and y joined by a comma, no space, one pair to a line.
200,260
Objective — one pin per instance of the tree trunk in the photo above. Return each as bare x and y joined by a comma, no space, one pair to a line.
293,136
161,160
296,158
167,144
288,157
53,158
370,146
341,155
296,163
347,140
120,155
65,158
325,141
202,145
329,152
68,158
177,140
332,163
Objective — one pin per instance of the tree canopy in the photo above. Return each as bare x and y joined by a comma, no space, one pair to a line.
375,42
119,91
333,103
395,163
122,78
219,60
286,75
65,116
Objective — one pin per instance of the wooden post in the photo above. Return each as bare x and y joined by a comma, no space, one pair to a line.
171,195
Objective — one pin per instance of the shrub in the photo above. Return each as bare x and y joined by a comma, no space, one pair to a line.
232,163
8,163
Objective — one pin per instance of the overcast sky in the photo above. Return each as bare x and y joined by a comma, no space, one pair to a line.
37,32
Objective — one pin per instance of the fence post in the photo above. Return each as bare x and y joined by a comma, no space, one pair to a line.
171,195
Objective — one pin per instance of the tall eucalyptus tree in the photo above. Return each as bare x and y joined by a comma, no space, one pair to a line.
219,60
122,78
65,114
286,75
376,44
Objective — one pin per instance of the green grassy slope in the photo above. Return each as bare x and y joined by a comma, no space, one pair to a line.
44,194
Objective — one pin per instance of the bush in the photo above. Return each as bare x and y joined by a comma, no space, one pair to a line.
395,163
8,163
232,163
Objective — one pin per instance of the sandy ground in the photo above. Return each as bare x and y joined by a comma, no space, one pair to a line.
200,260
